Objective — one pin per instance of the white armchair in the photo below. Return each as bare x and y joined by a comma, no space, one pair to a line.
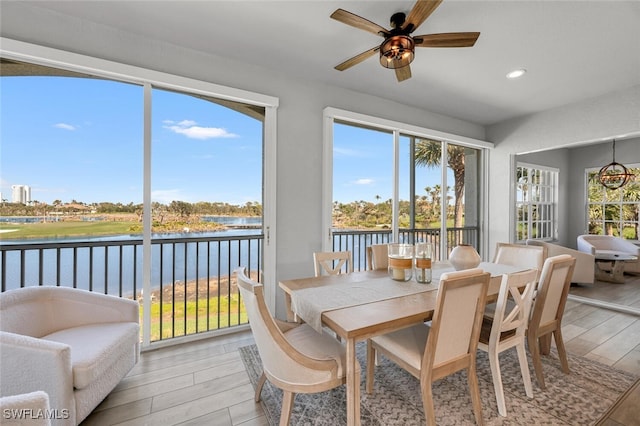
596,244
28,409
73,344
584,271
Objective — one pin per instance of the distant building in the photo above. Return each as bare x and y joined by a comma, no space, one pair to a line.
20,194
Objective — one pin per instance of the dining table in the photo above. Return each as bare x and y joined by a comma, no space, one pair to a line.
360,305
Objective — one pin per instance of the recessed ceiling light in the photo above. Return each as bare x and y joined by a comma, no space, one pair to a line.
516,73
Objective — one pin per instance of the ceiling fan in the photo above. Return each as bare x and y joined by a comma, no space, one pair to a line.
397,49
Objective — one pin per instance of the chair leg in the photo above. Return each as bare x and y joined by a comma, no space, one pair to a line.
287,405
371,365
562,353
261,381
545,344
475,394
427,404
357,396
524,369
497,381
534,348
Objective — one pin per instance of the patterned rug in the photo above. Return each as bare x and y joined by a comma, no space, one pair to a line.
579,398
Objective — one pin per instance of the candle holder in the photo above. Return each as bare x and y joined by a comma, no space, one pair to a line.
401,261
423,257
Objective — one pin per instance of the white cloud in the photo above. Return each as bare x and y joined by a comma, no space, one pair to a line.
189,129
64,126
363,181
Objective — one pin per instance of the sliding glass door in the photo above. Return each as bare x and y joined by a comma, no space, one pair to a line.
388,182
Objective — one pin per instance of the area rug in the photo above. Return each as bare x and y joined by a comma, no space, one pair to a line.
579,398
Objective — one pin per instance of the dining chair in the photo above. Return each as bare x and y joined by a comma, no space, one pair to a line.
295,357
507,328
378,256
332,262
448,345
520,255
547,311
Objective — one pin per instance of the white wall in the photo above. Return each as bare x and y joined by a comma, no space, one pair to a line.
299,127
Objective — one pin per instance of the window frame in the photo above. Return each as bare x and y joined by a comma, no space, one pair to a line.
618,203
148,79
553,190
398,129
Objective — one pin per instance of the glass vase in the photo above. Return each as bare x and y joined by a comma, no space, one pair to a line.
423,258
400,261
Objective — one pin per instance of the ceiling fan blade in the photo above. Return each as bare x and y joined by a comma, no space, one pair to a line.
420,12
357,59
403,73
446,40
358,21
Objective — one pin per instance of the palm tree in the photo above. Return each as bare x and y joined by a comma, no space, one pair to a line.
428,153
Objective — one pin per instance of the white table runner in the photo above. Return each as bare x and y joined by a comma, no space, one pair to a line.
310,303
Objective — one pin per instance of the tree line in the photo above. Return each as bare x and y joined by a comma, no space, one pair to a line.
176,208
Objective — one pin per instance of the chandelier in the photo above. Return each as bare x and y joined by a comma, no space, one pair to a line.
614,175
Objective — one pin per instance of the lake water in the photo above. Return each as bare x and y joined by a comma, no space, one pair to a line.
111,267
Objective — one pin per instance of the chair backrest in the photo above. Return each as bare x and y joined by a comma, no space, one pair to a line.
530,257
456,322
552,290
513,318
280,360
332,262
378,256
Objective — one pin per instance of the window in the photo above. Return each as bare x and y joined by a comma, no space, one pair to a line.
196,127
536,202
613,211
386,181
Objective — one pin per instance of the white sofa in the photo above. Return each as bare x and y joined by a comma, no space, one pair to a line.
73,344
583,272
595,244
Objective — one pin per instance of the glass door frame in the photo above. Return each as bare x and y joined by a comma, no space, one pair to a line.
148,79
398,129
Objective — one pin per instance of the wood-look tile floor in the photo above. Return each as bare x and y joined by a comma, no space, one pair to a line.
205,383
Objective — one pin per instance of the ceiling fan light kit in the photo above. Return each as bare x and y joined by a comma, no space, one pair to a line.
397,51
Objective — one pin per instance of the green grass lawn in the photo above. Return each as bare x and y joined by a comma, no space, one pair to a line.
64,229
196,317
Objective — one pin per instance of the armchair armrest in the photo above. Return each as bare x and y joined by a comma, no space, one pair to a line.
91,307
14,407
29,364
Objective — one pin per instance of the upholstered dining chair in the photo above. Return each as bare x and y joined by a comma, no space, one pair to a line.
522,255
378,256
547,311
449,345
332,262
507,328
295,357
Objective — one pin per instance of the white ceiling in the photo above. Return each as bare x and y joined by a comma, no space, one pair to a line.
573,50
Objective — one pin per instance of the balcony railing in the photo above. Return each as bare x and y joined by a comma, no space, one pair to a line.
193,289
357,241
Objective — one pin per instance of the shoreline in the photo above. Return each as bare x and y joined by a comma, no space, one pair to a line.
216,286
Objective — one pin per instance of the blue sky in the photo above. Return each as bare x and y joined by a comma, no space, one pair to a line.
81,139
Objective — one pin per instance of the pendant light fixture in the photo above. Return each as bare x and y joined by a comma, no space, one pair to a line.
614,175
